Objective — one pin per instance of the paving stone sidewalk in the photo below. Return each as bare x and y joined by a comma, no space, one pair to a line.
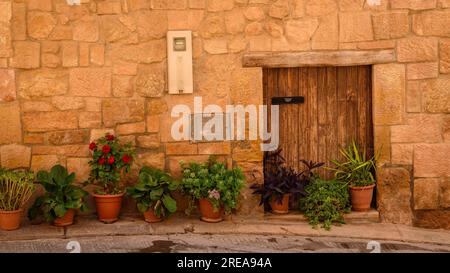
186,234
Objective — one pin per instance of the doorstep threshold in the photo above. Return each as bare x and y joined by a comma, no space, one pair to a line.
355,217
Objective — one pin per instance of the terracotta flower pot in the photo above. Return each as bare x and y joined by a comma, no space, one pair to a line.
108,207
10,220
208,213
361,197
151,217
278,208
66,220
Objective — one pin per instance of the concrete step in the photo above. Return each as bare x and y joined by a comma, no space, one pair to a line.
354,217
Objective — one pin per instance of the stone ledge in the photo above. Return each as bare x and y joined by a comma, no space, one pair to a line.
318,58
372,216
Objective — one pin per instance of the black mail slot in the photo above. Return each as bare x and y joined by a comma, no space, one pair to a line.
287,100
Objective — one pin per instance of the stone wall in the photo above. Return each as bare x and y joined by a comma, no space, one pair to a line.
68,74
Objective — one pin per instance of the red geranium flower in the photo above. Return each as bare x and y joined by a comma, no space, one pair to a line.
101,161
111,160
92,146
126,159
109,137
106,149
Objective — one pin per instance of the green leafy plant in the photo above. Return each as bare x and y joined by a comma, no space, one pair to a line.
356,169
213,181
153,191
110,159
326,202
16,188
60,194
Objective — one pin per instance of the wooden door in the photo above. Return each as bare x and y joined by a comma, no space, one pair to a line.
337,108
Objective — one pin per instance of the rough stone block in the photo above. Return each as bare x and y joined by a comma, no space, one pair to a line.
436,95
130,128
86,29
394,195
7,85
90,82
153,124
444,56
151,160
80,166
320,7
122,111
151,81
420,71
181,148
355,27
40,24
216,148
220,5
19,21
279,9
68,137
122,86
44,162
69,54
390,25
417,49
426,193
413,4
149,142
42,83
98,133
10,123
420,128
432,160
49,121
413,97
432,23
15,156
90,120
389,94
26,55
68,103
402,154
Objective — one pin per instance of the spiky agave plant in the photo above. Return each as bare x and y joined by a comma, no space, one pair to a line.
16,188
356,169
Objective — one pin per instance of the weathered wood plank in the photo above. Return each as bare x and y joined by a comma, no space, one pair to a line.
337,109
332,117
323,58
322,116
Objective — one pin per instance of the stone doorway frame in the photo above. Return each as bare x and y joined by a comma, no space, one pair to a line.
385,72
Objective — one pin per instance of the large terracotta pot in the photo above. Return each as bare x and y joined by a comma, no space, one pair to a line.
278,208
108,207
361,197
10,220
208,213
151,217
66,220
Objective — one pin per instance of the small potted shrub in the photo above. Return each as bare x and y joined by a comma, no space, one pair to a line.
357,171
153,194
110,161
216,188
282,183
61,198
325,202
16,188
